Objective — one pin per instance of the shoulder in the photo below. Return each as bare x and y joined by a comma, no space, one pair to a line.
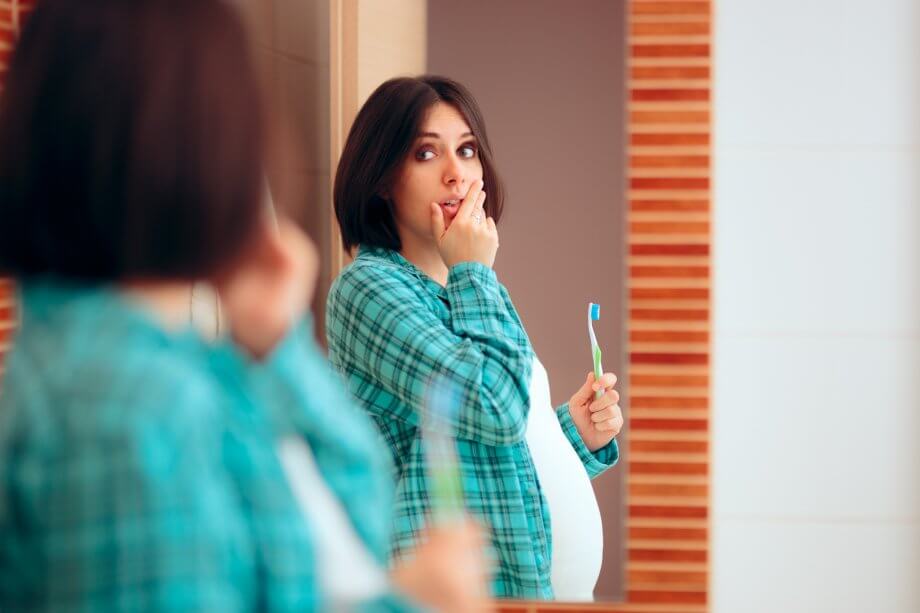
77,389
371,270
373,280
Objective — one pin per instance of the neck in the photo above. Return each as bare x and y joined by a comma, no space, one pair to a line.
168,301
427,258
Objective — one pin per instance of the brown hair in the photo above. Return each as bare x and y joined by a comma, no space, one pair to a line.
131,141
377,146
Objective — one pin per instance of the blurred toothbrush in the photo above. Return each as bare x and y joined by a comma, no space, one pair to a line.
446,487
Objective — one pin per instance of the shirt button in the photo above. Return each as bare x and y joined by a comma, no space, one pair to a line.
532,489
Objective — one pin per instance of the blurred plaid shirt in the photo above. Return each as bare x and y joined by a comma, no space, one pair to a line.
391,330
138,468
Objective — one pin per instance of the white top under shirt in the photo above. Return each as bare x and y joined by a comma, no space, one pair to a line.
575,520
346,570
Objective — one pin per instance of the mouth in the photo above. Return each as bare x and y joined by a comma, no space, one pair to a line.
450,207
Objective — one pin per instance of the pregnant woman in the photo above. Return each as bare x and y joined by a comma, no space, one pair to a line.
418,195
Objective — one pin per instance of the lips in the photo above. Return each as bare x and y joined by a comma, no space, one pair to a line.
450,207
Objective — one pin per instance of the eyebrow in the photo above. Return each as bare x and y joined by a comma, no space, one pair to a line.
436,135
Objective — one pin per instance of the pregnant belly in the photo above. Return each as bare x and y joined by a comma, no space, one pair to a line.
575,519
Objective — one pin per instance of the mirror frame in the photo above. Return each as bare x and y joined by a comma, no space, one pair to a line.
667,455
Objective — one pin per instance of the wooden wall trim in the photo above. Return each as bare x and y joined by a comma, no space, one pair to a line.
343,105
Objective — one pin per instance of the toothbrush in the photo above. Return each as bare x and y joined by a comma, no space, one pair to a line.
443,402
594,314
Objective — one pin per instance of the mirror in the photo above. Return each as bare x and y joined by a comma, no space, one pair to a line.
599,116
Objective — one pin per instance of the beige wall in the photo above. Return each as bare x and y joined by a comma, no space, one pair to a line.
392,37
549,76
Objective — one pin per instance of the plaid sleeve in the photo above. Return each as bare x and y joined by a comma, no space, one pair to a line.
295,379
391,344
596,462
131,514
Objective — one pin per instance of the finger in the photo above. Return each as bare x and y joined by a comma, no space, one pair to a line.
490,224
437,221
608,413
609,399
584,394
479,215
611,425
469,203
607,380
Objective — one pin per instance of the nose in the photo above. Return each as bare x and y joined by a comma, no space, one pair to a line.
453,171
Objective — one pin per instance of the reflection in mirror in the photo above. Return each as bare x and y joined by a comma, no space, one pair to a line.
549,77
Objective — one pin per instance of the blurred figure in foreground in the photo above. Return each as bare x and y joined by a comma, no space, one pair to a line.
142,468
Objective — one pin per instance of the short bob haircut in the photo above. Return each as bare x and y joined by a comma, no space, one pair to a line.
379,143
131,141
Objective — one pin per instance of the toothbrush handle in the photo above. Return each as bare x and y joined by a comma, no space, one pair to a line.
598,371
444,478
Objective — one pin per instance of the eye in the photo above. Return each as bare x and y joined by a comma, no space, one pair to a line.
467,151
424,154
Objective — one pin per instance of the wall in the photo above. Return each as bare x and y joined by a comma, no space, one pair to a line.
371,41
817,333
549,77
392,41
291,39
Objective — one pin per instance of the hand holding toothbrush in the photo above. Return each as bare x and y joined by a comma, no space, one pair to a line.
447,571
594,407
270,288
598,420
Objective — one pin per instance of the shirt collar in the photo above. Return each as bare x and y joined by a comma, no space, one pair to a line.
433,287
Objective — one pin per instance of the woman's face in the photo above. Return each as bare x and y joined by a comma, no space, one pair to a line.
442,164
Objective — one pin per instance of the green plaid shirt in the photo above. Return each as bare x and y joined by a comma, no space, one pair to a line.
391,329
138,469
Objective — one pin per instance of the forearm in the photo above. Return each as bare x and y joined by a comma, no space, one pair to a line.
595,462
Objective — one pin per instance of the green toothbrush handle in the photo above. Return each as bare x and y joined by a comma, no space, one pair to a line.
598,371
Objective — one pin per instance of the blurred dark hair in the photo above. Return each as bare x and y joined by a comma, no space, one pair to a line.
131,141
379,143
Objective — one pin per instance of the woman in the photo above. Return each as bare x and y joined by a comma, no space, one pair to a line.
142,468
421,301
